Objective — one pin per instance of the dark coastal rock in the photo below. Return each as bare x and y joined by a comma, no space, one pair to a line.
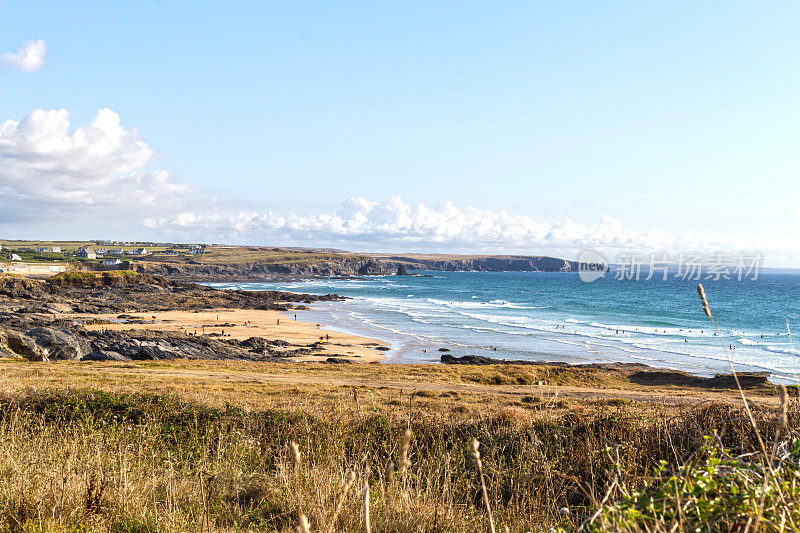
20,288
94,293
105,355
402,270
747,380
17,344
59,345
635,372
338,361
469,360
259,344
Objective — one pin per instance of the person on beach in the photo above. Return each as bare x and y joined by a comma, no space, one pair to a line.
295,317
279,321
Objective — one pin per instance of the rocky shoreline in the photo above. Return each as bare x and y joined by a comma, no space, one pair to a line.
32,323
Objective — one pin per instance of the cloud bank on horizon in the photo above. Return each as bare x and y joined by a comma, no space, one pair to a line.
29,58
54,175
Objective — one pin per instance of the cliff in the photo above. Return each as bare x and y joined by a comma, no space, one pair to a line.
344,266
498,263
349,265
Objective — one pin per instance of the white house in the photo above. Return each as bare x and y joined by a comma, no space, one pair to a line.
48,249
13,257
115,251
86,253
111,262
141,251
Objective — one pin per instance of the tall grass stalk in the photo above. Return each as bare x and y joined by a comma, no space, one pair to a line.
477,455
707,310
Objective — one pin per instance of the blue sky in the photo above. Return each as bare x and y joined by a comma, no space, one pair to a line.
680,119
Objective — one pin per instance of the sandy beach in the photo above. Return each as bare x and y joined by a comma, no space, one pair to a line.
241,324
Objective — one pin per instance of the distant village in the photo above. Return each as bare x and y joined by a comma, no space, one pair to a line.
111,254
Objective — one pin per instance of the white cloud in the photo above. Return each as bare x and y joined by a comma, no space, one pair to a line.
29,58
96,177
49,170
396,224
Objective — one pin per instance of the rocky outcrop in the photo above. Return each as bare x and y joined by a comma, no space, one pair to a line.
30,327
39,339
636,372
20,288
17,344
56,345
98,293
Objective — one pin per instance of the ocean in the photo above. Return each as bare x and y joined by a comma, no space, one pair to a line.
547,316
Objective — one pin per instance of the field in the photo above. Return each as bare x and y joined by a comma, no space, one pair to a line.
216,255
239,255
206,446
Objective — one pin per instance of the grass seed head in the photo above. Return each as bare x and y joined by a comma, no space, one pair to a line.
405,444
304,526
294,451
475,445
388,472
702,293
784,395
351,478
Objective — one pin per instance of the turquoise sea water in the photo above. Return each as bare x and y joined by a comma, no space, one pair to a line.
556,317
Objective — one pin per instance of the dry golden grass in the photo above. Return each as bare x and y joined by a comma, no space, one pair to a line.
75,459
466,389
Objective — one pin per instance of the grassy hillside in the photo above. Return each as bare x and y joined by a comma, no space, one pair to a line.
236,255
